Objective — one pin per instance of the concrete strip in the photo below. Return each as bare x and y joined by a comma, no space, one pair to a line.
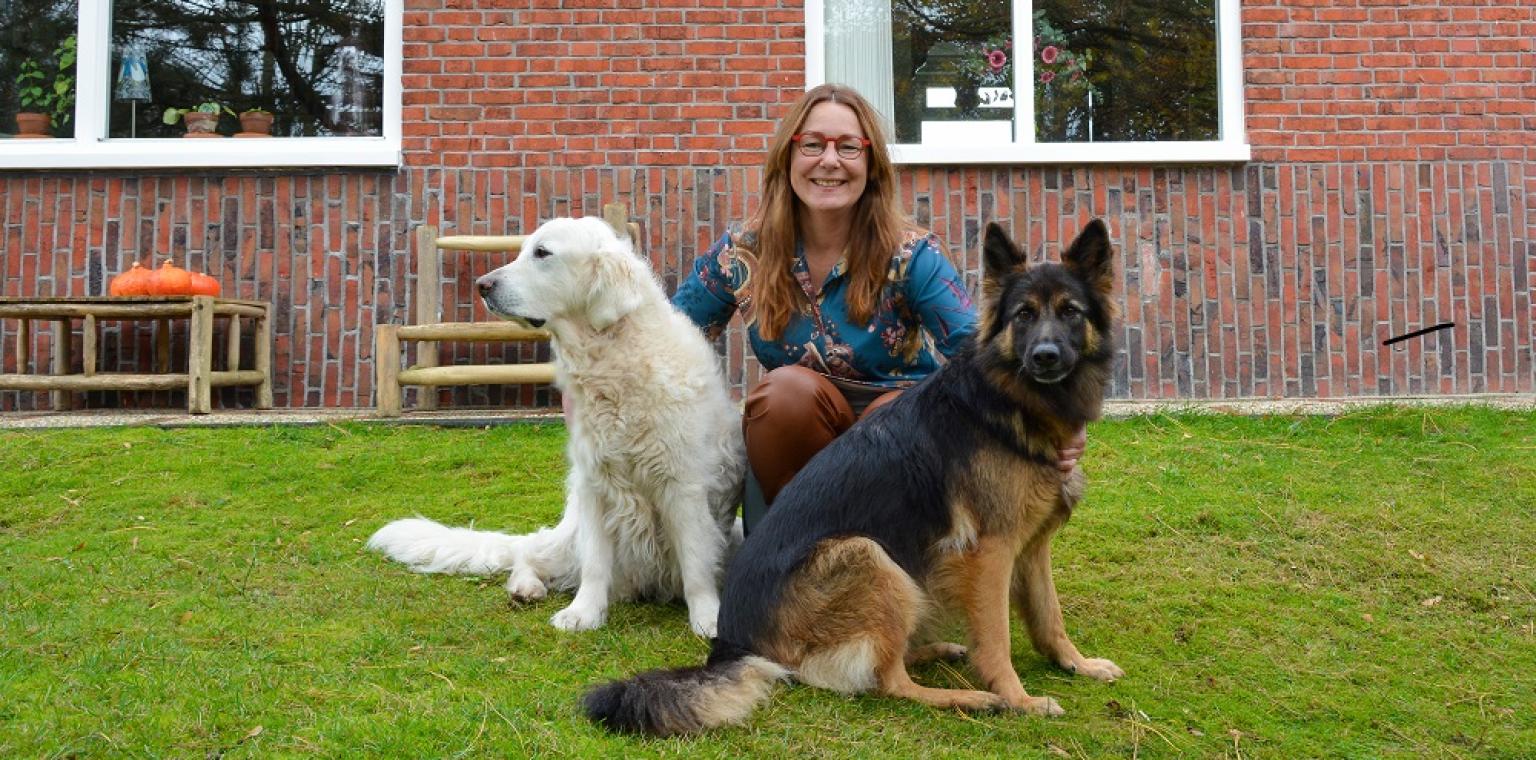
165,418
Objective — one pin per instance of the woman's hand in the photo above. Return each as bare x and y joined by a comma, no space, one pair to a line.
1068,454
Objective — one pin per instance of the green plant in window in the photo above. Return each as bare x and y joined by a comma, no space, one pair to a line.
174,114
202,120
986,63
1066,99
54,96
1055,63
985,74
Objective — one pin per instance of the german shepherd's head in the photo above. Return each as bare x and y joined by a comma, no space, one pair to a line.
1045,334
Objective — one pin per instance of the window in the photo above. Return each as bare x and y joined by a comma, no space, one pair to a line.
37,68
127,82
1059,81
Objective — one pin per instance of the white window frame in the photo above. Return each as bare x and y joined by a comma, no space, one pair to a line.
91,148
1232,146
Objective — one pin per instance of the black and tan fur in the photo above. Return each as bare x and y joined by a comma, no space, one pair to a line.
944,500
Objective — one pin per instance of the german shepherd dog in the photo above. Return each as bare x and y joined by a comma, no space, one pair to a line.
945,499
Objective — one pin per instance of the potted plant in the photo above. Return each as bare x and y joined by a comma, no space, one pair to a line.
202,120
255,122
45,103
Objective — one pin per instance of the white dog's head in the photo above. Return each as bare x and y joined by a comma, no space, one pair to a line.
577,270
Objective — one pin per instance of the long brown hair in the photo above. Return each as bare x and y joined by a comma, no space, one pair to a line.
878,221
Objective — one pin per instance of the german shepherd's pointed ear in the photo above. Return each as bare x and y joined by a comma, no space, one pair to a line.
1089,257
999,258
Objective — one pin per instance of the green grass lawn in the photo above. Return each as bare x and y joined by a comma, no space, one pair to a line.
1352,586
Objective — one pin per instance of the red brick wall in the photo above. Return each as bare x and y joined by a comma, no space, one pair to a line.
1394,142
1385,80
1391,189
679,83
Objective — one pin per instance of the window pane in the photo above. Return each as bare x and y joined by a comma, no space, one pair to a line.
953,62
1143,70
317,67
37,67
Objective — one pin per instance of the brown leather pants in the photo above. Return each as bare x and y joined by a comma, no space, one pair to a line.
791,414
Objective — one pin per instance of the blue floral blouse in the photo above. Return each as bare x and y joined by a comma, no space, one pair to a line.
924,308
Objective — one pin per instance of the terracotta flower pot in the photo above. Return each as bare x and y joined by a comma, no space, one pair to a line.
201,124
255,124
33,125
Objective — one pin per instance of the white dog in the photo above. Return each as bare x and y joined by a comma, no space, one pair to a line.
655,447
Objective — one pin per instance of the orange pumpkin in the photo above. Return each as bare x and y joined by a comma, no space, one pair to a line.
170,280
203,285
134,282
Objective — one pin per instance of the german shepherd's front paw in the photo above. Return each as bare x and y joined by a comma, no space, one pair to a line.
1019,701
1045,706
1097,668
975,701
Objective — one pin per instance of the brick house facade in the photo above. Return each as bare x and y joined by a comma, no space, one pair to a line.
1390,188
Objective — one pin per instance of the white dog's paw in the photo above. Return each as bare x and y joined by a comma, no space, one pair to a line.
704,617
575,618
525,587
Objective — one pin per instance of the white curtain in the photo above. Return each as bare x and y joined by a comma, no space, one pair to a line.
858,51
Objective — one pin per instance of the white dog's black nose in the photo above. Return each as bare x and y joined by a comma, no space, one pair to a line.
486,286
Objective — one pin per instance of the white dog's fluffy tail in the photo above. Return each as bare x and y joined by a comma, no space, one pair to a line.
430,547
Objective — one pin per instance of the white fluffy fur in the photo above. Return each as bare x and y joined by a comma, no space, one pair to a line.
848,668
655,449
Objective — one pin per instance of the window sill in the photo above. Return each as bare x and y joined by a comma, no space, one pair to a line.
181,153
1074,153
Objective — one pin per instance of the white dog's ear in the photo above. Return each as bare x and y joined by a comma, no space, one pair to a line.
615,292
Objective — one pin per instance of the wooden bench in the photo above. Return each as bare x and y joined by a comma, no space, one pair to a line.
389,339
200,378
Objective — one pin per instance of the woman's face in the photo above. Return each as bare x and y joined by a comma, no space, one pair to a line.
829,182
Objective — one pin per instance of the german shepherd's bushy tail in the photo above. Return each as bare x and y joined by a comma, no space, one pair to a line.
725,689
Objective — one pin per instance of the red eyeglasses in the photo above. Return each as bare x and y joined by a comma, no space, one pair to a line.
813,144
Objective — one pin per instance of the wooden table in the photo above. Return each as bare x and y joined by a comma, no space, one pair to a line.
199,379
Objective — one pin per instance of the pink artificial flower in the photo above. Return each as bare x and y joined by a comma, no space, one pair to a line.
1047,76
997,59
1048,55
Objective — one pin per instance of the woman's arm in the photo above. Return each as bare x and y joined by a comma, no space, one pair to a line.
938,294
707,295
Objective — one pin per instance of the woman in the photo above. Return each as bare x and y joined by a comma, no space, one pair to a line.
845,301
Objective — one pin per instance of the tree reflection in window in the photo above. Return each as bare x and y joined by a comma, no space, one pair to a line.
938,45
1129,70
316,66
1104,70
